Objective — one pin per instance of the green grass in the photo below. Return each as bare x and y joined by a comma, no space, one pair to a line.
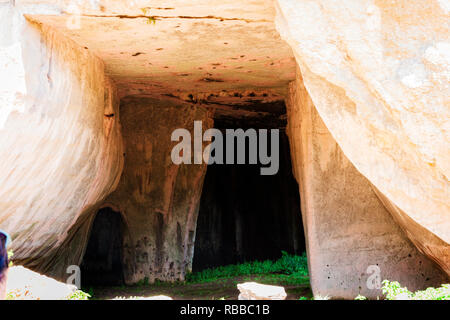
289,269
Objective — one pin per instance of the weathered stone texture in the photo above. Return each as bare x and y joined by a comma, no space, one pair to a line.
347,228
378,74
60,147
192,46
158,199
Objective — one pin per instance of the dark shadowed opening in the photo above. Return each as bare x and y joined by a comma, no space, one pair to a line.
245,216
102,262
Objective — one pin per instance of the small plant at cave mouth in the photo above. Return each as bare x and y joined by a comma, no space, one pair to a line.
145,282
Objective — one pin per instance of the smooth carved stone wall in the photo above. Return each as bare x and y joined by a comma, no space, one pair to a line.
60,141
347,228
378,74
158,199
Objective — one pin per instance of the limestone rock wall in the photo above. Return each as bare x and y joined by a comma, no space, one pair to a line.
378,73
60,141
158,199
349,233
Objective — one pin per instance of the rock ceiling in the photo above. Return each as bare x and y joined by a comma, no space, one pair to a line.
150,47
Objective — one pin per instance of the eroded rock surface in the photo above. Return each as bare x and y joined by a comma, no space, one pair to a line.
378,74
60,141
353,243
158,199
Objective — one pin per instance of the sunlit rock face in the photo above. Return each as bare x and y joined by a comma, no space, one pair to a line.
378,74
60,141
353,242
196,46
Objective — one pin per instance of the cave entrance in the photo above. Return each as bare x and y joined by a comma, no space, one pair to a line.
245,216
102,262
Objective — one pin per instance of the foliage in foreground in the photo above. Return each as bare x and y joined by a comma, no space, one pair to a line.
22,295
79,295
394,291
293,266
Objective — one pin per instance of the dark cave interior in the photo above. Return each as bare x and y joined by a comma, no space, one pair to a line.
102,262
245,216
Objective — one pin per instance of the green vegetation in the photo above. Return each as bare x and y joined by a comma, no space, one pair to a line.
18,294
144,282
10,296
79,295
289,269
394,291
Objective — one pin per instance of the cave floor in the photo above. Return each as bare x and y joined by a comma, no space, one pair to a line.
214,290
